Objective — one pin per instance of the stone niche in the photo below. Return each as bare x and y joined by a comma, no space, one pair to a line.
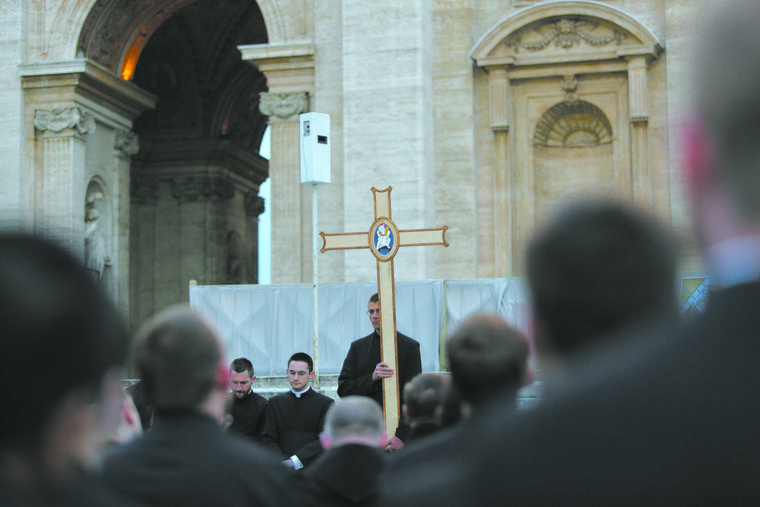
568,106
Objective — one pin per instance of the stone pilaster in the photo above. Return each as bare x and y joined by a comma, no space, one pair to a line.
498,85
143,232
638,104
253,205
124,148
287,206
61,136
388,124
496,252
289,68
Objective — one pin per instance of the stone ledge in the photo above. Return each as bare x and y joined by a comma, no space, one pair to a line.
328,385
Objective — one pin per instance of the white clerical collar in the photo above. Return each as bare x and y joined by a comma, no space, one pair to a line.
298,394
735,260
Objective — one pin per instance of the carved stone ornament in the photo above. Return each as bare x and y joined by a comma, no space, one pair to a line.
204,188
58,120
283,105
573,125
570,87
565,33
126,143
254,204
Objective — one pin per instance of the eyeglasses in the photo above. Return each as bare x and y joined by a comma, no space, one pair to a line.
373,311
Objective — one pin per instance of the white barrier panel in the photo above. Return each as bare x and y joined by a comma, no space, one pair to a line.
268,323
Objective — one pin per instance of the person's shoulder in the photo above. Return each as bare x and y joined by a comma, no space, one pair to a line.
323,397
122,457
238,445
360,341
401,337
260,399
279,398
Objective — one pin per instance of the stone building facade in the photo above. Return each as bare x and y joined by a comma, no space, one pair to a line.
131,128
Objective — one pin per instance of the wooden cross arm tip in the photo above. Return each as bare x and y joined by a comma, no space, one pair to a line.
417,237
343,241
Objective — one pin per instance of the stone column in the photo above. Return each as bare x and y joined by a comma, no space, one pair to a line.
289,68
388,124
638,106
254,206
125,147
143,227
60,194
291,244
495,257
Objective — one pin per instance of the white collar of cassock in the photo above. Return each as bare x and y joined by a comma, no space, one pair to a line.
735,260
299,394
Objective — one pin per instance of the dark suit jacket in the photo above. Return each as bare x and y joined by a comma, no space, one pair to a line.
186,459
293,424
248,416
348,475
363,355
674,422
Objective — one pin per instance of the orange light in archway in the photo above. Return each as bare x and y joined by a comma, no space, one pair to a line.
130,62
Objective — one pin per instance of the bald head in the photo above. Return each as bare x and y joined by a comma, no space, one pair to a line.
354,419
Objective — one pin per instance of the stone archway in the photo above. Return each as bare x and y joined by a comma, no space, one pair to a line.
198,169
542,64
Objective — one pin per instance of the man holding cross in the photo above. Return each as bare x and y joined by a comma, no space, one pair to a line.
363,371
369,367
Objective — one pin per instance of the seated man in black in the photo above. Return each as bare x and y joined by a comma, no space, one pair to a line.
363,372
296,418
248,410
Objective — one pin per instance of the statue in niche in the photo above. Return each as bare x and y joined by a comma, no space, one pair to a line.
235,259
95,257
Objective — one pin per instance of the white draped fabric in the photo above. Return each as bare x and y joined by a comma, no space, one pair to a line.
268,323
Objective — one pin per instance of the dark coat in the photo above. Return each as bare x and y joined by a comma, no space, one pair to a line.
187,459
293,424
347,475
362,358
421,431
671,422
249,415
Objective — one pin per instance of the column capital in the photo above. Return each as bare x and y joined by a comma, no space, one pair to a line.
58,120
638,89
498,95
283,106
254,205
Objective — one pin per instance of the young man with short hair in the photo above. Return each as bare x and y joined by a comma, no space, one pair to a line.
363,372
297,417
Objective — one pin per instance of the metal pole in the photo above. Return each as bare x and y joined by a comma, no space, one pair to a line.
315,251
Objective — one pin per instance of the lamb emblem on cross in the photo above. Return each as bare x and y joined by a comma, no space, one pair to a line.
383,238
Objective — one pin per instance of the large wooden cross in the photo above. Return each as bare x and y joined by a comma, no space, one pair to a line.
384,240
